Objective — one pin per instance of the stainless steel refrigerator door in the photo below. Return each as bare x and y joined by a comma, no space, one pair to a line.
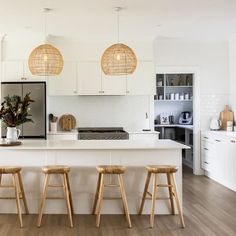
37,93
10,89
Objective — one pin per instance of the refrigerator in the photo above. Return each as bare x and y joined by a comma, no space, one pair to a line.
37,91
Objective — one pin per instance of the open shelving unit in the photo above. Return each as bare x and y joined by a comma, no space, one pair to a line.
168,85
175,91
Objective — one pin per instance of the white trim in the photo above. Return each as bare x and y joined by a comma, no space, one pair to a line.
163,69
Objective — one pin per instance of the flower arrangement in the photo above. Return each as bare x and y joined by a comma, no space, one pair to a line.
15,111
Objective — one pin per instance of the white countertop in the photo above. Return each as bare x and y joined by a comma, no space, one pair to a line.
222,132
143,132
72,132
76,132
176,125
96,145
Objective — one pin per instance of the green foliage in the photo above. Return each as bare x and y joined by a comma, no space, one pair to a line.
15,111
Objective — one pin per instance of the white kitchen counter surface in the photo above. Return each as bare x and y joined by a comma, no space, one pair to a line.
97,145
176,125
143,132
221,132
72,132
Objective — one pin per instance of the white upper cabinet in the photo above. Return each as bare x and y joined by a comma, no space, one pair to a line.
89,78
12,70
142,81
18,71
113,85
66,82
28,76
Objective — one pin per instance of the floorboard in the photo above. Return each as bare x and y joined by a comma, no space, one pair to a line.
209,210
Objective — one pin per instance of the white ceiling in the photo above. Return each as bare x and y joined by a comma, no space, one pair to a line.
141,19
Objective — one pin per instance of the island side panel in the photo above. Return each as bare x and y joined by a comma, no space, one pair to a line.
84,177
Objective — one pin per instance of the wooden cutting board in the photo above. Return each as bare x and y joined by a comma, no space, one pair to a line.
226,115
67,122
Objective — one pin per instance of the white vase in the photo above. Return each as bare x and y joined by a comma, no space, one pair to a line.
12,134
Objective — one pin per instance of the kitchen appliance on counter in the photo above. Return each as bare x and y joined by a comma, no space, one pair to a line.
99,133
186,118
215,124
37,91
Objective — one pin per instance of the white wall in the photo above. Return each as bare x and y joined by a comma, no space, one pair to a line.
232,68
92,111
211,59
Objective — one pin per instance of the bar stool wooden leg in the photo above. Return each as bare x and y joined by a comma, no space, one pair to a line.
177,200
0,179
70,195
145,192
16,187
23,193
154,193
170,194
67,196
122,189
99,203
43,198
96,194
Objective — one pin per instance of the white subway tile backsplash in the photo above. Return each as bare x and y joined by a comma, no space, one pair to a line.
210,106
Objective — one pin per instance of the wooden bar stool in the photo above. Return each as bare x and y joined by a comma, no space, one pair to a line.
17,185
171,185
63,172
104,170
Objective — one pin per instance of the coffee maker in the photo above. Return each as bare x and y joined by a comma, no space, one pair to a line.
186,118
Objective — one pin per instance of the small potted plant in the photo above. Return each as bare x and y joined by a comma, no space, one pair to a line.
14,112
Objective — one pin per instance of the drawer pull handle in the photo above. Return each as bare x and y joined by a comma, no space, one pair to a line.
217,140
206,137
206,149
206,162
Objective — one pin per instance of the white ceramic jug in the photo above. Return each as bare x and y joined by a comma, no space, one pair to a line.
13,134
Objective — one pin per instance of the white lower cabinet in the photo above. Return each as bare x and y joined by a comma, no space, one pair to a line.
218,158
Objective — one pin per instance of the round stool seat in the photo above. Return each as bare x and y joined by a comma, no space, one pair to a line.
9,169
56,169
162,169
111,169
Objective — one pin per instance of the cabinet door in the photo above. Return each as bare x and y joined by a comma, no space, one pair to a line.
66,82
89,78
142,81
218,160
113,85
12,70
230,164
27,76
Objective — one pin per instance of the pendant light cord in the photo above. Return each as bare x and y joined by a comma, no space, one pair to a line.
118,25
45,25
46,11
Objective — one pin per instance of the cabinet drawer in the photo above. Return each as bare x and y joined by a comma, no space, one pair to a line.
206,161
206,166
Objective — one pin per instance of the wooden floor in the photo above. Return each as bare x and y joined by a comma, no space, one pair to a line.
209,209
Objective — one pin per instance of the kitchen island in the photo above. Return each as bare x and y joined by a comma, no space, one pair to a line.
83,156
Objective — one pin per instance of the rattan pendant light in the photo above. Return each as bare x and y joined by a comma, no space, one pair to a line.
45,60
118,59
